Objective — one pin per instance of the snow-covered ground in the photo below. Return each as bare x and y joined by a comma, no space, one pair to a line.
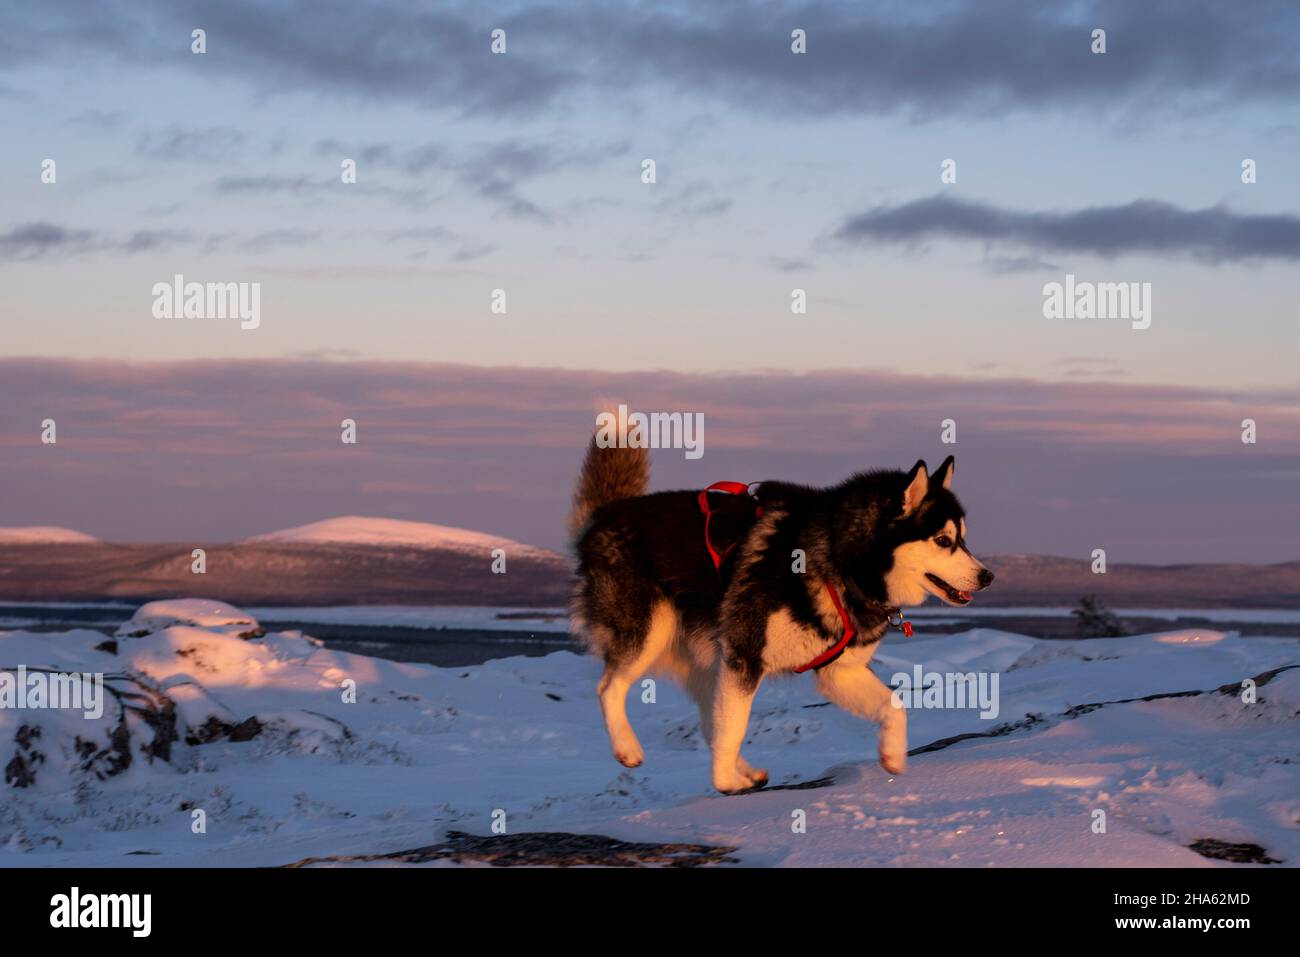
283,768
396,533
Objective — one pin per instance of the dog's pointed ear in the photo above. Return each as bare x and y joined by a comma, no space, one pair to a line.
944,474
918,483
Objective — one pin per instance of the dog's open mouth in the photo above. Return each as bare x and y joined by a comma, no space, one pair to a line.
950,593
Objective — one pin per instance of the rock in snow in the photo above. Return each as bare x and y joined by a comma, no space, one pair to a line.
294,753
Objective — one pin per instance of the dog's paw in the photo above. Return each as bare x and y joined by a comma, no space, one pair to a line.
895,762
734,782
757,777
630,756
893,747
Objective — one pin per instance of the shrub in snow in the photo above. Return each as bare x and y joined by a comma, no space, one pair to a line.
1095,620
137,723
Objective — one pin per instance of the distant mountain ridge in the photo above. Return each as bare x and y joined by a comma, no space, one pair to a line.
1050,579
360,560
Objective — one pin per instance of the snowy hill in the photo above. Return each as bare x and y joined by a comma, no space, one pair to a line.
395,533
43,535
257,731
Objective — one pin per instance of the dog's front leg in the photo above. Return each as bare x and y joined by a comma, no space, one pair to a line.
733,697
854,687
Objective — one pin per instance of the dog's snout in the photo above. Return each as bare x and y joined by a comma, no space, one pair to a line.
986,578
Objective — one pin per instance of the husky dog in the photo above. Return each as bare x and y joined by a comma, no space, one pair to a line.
802,565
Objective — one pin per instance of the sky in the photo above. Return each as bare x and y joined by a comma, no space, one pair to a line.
775,171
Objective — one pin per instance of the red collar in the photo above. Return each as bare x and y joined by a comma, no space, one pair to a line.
835,650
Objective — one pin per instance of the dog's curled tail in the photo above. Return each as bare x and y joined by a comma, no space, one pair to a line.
608,474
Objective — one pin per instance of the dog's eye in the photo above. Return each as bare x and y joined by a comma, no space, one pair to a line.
943,541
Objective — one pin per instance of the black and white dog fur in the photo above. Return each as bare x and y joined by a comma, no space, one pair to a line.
649,599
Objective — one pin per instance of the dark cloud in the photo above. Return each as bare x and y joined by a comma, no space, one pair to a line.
214,144
1143,227
387,49
149,240
43,240
38,240
961,56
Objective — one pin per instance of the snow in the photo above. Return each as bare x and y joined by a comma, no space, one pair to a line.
285,767
206,613
43,535
395,533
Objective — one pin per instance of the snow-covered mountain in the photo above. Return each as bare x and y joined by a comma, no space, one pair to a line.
259,732
395,533
44,535
339,561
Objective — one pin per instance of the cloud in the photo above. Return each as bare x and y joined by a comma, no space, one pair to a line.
492,170
1143,227
695,200
304,186
467,254
98,121
983,57
214,144
273,238
44,240
1009,265
149,240
466,251
788,264
39,240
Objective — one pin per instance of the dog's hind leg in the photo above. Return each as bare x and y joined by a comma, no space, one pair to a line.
732,699
702,684
621,673
853,686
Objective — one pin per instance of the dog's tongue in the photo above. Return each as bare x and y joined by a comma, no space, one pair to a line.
964,595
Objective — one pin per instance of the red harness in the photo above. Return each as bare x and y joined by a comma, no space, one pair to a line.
835,650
